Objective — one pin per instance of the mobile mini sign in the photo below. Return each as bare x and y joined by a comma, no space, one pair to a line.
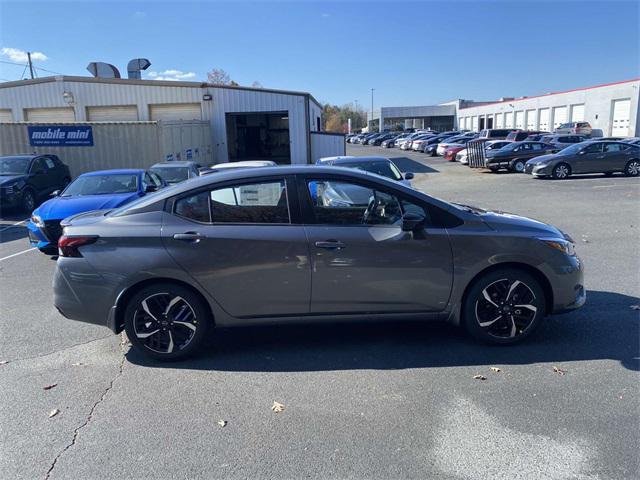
61,136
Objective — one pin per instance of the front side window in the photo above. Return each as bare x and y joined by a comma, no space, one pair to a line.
614,147
593,148
344,203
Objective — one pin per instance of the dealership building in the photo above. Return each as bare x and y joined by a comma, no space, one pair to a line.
612,109
219,123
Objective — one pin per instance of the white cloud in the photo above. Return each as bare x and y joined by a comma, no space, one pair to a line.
139,14
171,74
17,55
325,15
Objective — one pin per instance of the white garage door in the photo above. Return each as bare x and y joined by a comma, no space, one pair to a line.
178,111
531,120
544,119
508,120
559,116
128,113
62,114
577,113
499,120
520,120
474,124
5,115
621,115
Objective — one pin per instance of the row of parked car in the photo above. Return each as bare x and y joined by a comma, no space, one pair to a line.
28,180
542,154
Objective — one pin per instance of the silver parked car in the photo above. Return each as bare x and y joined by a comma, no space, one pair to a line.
308,243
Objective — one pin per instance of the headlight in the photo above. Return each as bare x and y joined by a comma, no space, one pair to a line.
37,221
561,244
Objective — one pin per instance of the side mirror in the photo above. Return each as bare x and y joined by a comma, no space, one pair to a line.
581,152
55,193
409,176
411,221
150,188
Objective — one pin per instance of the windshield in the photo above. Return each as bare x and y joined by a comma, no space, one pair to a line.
172,174
14,165
385,169
102,185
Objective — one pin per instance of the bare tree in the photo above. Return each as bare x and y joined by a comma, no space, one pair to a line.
218,76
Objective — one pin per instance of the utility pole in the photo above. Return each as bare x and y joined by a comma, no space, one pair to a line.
372,109
30,64
357,115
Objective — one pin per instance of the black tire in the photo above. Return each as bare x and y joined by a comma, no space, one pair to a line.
155,330
28,201
632,169
510,311
561,171
517,166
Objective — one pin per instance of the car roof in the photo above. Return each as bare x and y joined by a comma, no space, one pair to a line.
179,163
351,158
22,155
115,171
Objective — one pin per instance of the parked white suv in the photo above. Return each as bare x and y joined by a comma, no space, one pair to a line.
577,128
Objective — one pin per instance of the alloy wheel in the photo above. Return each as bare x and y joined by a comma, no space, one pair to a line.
518,166
561,171
633,168
28,201
164,323
506,308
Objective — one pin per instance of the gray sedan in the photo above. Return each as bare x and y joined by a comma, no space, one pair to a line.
288,244
588,157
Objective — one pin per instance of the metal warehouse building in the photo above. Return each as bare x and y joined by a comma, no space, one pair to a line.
611,109
244,123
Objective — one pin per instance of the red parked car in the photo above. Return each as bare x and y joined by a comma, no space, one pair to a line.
451,152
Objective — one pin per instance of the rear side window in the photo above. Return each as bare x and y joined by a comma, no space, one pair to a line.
614,147
257,203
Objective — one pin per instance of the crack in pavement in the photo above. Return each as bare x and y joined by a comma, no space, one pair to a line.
59,351
76,432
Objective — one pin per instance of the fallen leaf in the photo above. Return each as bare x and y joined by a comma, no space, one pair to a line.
495,369
4,362
49,387
78,364
585,240
635,307
277,407
558,370
222,423
53,412
479,377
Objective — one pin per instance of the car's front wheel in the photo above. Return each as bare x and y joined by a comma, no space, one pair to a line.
28,201
632,169
503,306
561,171
517,166
167,321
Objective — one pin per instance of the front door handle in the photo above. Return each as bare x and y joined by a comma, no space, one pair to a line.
331,245
189,236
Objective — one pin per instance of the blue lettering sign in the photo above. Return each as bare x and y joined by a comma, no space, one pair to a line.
61,136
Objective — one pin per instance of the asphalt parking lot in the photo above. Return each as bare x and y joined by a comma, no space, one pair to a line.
360,401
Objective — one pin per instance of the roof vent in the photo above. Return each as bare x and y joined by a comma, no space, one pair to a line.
135,66
103,70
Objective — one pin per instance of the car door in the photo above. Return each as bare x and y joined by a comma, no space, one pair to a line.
362,261
58,172
614,157
242,243
40,177
589,159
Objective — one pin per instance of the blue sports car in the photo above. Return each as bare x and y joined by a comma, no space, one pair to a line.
100,190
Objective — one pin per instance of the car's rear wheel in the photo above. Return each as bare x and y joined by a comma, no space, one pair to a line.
28,200
167,321
504,306
561,171
632,169
517,166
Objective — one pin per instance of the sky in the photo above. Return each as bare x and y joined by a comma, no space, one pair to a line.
412,53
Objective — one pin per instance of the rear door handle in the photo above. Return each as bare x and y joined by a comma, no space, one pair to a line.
189,237
331,245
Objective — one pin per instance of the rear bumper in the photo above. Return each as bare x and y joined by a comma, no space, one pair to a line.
80,294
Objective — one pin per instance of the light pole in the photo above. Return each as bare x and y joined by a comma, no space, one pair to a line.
372,108
356,119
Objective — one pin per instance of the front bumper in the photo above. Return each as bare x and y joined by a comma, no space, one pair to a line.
10,198
567,283
539,170
37,238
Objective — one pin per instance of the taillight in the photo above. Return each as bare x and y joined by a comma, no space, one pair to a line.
68,246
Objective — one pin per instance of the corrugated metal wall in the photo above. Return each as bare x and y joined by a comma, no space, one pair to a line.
119,144
327,145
